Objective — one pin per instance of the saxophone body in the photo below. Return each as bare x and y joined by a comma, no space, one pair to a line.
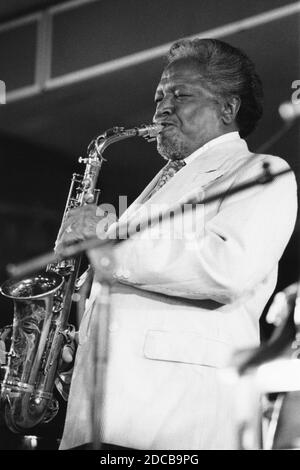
33,344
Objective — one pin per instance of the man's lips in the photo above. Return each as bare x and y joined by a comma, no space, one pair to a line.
166,126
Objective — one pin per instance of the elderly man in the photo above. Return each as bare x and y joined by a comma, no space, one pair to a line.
182,302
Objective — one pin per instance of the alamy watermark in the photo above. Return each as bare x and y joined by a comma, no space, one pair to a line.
150,221
295,98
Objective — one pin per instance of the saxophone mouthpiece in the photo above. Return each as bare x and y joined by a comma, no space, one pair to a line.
150,131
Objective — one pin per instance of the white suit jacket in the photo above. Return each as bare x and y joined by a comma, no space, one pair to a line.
180,307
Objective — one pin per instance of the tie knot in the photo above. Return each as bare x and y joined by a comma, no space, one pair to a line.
173,166
169,170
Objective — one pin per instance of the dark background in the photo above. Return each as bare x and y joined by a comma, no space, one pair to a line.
51,116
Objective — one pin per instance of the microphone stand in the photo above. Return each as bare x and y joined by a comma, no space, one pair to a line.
18,271
103,264
271,368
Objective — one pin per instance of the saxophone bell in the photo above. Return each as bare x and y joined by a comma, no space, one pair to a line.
35,310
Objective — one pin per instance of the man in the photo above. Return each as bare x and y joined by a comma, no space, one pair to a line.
191,292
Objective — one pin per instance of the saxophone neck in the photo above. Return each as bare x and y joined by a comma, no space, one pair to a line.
110,136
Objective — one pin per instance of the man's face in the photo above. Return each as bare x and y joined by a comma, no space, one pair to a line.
189,112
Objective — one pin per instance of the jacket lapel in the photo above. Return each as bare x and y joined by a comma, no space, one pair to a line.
191,180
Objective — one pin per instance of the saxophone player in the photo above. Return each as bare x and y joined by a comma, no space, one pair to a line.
181,305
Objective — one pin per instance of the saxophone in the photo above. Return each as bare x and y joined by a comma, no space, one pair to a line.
42,304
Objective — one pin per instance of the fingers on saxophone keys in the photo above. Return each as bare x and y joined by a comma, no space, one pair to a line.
67,354
82,212
59,246
66,239
69,349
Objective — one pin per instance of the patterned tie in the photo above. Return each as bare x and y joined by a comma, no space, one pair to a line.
169,170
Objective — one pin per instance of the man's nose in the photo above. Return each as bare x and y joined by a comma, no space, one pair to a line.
164,108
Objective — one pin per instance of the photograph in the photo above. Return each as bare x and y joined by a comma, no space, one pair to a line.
150,237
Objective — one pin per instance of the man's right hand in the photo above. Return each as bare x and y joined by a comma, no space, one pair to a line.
68,354
80,224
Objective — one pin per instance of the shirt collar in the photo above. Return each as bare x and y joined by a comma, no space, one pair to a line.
230,136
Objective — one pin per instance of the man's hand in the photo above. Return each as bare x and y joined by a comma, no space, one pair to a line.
65,368
80,224
68,354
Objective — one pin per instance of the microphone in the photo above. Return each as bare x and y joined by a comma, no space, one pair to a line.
281,314
289,111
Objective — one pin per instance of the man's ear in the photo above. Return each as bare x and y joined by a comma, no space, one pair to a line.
230,109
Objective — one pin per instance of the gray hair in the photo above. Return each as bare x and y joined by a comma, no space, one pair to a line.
227,71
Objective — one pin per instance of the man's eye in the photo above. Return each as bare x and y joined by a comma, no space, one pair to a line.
158,99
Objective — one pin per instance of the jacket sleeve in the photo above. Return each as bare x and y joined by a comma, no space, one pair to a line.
235,249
